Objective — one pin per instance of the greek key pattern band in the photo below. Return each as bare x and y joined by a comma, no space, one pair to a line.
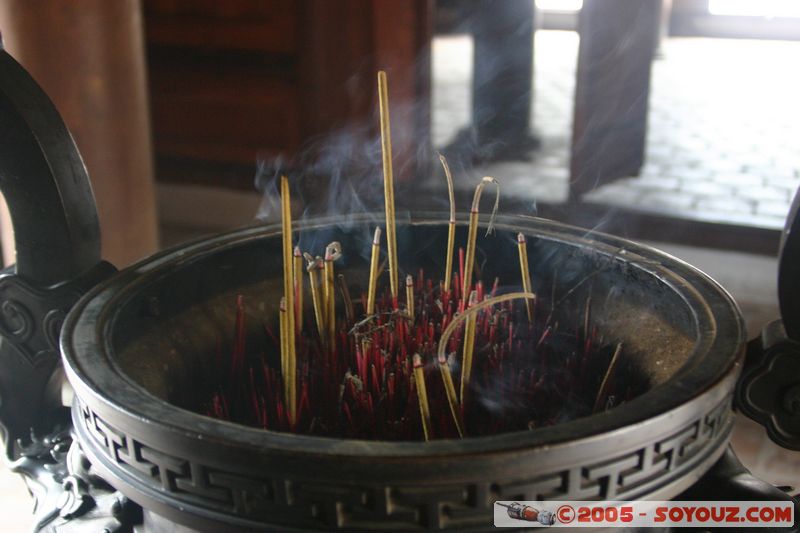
286,502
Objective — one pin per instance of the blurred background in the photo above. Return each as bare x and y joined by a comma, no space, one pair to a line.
673,122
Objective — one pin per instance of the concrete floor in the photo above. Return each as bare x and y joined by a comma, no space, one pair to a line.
15,504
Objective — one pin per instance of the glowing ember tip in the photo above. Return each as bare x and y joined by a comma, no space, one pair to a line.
333,251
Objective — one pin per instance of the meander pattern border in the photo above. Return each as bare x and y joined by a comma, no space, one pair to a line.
279,500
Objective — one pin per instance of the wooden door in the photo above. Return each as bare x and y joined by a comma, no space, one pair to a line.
235,81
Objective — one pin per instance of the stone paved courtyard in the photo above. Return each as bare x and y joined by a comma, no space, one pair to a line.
723,140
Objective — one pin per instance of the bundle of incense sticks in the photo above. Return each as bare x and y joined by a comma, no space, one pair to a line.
446,359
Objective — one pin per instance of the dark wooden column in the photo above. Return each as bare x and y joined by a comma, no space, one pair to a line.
612,89
343,44
88,56
502,83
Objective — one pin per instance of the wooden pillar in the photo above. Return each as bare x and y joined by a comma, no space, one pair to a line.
502,83
343,44
612,90
402,33
88,55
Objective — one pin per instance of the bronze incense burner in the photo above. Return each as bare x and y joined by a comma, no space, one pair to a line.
159,318
136,349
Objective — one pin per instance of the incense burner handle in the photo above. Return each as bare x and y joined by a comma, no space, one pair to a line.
57,237
768,390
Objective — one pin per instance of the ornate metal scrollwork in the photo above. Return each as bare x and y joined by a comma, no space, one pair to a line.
769,389
281,500
15,320
69,494
30,323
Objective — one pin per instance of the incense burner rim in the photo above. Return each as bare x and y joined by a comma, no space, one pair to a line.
213,475
99,306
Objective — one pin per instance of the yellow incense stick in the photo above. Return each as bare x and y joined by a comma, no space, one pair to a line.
488,302
365,342
332,252
328,303
451,230
388,181
450,389
314,265
586,314
298,283
422,396
284,352
472,237
373,272
469,348
288,293
458,319
526,275
602,392
349,314
410,296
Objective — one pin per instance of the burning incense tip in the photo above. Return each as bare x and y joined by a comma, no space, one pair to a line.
525,272
410,296
332,252
476,199
373,272
451,229
472,235
315,264
298,287
284,351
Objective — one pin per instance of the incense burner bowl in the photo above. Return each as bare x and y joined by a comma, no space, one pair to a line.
138,351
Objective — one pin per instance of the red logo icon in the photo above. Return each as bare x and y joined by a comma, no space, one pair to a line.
565,514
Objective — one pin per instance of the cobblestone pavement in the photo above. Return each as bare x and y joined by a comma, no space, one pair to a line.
723,139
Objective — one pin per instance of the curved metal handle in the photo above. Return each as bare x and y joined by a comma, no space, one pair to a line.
57,236
44,181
